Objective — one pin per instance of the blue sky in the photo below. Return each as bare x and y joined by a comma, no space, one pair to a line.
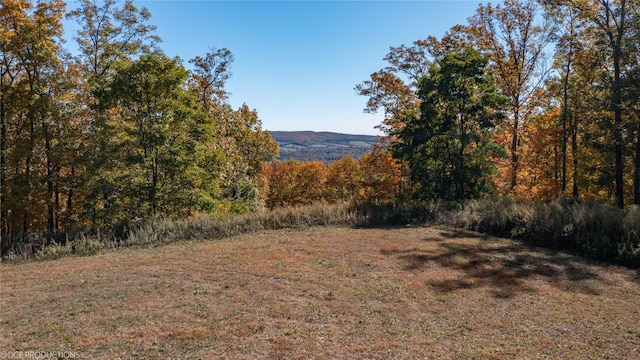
297,62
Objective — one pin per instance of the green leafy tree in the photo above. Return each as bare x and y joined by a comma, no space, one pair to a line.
161,141
247,150
567,30
394,88
210,75
612,27
449,145
110,37
239,136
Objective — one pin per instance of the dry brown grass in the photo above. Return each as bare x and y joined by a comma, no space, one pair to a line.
324,293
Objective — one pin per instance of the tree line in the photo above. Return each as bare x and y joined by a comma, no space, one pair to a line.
118,132
534,99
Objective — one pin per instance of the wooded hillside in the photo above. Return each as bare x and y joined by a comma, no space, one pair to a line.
321,146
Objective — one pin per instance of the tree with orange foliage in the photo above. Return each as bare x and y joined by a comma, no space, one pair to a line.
615,26
295,183
381,176
515,43
343,180
541,168
32,81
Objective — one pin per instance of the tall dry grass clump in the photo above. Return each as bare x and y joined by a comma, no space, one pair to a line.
400,213
596,230
199,226
211,227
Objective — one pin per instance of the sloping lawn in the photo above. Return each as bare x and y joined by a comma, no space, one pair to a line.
324,293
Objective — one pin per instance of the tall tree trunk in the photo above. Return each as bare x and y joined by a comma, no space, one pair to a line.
50,206
461,180
565,116
56,204
636,169
154,184
514,147
574,155
27,183
615,36
69,210
3,160
617,111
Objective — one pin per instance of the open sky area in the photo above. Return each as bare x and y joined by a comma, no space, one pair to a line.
297,62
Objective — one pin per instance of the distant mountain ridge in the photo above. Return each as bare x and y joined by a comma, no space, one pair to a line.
322,146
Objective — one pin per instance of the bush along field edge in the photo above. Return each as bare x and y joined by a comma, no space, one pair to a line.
594,230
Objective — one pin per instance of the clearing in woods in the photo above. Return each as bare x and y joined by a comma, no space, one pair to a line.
324,293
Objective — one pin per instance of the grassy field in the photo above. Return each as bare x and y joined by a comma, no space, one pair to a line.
408,293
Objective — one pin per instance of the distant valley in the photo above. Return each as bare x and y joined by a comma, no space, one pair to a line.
322,146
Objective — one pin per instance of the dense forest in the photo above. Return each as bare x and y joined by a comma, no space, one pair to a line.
528,99
118,133
535,99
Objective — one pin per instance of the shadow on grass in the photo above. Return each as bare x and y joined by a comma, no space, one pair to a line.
500,266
